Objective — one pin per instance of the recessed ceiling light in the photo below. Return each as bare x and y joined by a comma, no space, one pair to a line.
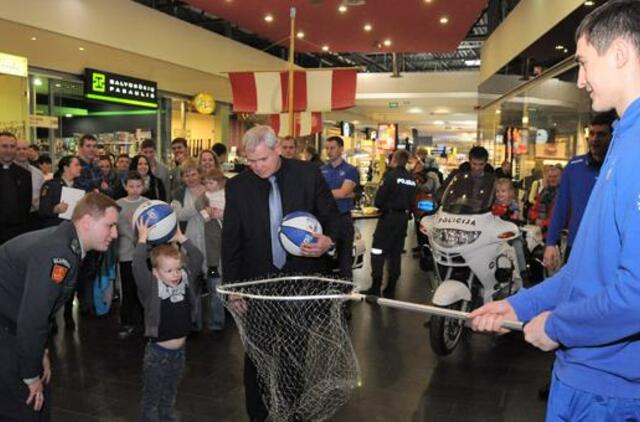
387,42
415,110
33,38
367,27
342,8
589,3
37,82
559,47
268,18
565,50
81,48
444,20
300,34
325,48
58,85
498,111
427,1
438,122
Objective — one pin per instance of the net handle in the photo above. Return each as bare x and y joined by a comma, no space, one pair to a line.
427,309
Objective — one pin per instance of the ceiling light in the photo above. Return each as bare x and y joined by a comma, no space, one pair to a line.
81,48
58,85
342,8
356,122
68,115
300,34
444,20
565,50
387,42
325,48
427,1
268,18
33,38
414,110
498,111
438,122
470,63
589,3
37,82
367,27
559,47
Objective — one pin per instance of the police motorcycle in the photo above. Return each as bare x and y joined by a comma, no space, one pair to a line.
474,254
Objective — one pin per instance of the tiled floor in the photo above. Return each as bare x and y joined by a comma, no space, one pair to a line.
97,377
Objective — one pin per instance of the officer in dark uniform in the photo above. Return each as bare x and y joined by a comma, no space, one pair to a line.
394,199
37,276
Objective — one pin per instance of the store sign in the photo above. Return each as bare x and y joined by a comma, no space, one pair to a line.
13,65
204,103
110,87
50,122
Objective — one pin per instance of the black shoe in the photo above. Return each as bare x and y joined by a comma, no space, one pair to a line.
125,332
389,293
371,291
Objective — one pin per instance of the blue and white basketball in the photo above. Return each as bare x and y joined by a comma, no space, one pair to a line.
296,228
161,220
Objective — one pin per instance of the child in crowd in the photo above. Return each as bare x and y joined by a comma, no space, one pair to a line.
170,309
131,310
506,199
211,207
507,207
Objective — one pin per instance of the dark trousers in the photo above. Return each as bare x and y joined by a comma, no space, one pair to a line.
14,392
344,246
388,241
131,311
162,372
84,284
252,392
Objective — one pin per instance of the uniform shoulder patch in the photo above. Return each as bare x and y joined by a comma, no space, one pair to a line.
59,269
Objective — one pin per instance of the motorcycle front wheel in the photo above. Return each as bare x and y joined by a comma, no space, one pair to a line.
445,333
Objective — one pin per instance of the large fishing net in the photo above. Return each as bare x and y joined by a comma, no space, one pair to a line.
294,331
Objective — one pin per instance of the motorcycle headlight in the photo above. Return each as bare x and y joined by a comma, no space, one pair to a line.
449,238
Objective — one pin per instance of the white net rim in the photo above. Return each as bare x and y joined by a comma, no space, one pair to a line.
230,289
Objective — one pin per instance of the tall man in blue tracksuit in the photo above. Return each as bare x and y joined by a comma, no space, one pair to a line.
577,182
342,179
589,311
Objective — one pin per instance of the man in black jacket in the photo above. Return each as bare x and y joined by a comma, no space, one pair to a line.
38,273
249,238
15,190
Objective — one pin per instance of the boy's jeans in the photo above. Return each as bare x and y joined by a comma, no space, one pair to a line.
162,371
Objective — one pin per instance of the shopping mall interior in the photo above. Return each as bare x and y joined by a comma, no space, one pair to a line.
434,76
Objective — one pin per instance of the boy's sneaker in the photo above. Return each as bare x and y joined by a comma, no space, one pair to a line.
125,332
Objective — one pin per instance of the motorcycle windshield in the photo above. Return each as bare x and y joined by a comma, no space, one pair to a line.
467,194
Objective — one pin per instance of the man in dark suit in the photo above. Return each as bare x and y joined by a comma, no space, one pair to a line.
15,190
249,237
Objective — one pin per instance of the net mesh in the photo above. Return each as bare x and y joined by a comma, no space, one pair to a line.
294,331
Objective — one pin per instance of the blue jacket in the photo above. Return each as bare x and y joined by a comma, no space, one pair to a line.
595,299
576,185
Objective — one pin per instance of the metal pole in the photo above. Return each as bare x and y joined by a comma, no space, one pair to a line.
292,41
426,309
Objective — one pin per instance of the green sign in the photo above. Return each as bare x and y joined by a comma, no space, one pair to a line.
114,88
393,104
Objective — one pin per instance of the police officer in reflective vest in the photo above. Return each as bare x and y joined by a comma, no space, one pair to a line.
37,276
394,199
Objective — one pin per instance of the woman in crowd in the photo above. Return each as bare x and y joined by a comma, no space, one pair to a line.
190,220
51,206
153,187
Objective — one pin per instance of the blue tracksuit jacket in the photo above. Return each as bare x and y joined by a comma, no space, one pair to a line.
595,298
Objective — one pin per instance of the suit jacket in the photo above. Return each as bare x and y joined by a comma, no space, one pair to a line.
246,234
16,197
